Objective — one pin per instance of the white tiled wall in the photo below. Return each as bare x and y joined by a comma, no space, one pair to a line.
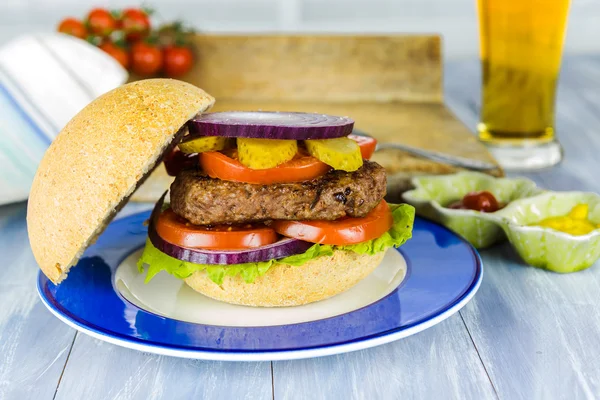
454,19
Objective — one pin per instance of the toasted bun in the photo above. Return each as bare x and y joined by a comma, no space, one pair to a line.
287,285
97,161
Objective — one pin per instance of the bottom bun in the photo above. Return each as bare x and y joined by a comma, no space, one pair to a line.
287,285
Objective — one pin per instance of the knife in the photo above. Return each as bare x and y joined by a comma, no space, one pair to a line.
462,162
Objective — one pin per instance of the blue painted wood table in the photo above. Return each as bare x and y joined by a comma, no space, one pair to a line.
527,334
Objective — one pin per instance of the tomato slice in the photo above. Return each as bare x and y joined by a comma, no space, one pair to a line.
178,231
342,231
226,166
367,145
301,168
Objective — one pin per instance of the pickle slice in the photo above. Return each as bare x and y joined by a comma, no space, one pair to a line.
202,144
265,153
341,153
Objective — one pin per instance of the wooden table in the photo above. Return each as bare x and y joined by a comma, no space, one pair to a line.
527,334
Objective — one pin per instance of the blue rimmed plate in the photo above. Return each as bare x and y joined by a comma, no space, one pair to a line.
428,279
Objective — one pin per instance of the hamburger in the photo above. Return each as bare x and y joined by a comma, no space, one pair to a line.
266,209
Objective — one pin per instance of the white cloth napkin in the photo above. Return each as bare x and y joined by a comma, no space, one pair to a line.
45,79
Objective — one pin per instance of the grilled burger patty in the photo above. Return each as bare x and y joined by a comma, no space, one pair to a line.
206,201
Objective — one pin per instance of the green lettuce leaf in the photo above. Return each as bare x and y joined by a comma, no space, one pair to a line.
399,233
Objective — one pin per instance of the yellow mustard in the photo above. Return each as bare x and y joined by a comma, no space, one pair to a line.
575,223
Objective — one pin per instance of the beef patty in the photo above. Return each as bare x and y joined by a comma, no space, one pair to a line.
206,201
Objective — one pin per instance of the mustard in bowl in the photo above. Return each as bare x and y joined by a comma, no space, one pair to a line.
557,231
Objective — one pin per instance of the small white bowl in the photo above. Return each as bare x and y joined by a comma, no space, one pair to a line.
433,192
546,247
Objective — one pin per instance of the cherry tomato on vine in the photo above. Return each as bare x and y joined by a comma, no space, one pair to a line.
177,60
135,23
73,27
116,52
101,22
146,59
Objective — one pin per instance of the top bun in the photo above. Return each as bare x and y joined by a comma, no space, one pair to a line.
98,160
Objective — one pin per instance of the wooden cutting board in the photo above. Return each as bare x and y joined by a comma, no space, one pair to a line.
390,85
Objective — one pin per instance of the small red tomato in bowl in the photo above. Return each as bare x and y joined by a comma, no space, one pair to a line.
73,27
135,23
482,201
116,52
146,59
177,60
101,22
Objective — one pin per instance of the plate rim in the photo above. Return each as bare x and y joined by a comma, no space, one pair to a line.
277,355
282,354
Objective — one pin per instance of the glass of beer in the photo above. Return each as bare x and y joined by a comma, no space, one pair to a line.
521,44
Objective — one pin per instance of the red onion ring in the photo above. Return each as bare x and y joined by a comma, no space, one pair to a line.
269,125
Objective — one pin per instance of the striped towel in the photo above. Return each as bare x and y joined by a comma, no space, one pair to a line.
45,79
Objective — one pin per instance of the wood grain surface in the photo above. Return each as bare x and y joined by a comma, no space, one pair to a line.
527,334
538,333
448,368
33,346
319,68
132,375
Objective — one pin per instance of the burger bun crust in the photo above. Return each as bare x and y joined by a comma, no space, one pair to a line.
98,160
287,285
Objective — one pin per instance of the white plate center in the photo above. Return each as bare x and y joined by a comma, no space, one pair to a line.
171,297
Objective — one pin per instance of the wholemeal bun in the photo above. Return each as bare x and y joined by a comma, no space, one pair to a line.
287,285
97,161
